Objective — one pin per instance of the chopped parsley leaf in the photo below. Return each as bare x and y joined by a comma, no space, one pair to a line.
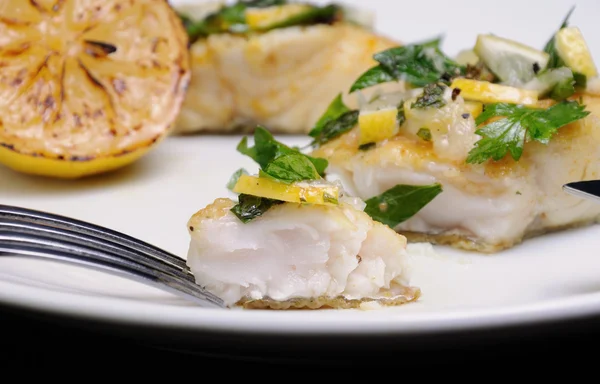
518,126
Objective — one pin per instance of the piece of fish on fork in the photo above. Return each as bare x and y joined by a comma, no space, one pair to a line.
35,234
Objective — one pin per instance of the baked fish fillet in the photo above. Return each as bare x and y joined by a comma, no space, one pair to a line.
501,145
282,78
486,207
294,240
299,256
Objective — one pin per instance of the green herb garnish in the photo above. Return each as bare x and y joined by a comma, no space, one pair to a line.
563,89
432,97
232,18
291,168
235,177
555,60
314,15
418,64
335,109
518,126
277,161
337,127
250,207
266,149
374,76
424,133
336,120
401,202
401,117
366,147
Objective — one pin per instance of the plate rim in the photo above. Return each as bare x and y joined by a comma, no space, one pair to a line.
286,323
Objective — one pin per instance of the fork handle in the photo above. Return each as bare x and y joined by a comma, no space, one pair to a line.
74,225
130,271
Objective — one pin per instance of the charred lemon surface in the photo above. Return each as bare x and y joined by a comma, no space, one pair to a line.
87,86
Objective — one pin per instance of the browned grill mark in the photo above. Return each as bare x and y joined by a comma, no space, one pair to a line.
10,21
178,82
77,120
61,83
156,64
98,49
86,110
17,51
7,146
99,85
81,158
19,79
119,86
91,77
58,5
156,41
29,83
37,6
49,102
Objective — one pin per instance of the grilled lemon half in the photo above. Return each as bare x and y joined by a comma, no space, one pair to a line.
87,86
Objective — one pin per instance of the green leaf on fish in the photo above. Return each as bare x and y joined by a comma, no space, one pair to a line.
401,202
232,18
519,125
250,207
235,177
291,168
335,109
555,61
266,149
374,76
337,120
417,64
336,128
432,97
550,48
424,134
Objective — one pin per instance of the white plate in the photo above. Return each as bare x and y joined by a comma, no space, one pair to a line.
548,278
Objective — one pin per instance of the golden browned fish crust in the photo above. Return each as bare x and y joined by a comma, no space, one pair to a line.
468,244
408,294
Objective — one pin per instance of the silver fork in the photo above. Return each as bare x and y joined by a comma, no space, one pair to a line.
35,234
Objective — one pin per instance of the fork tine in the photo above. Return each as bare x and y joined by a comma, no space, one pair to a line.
105,263
79,226
50,234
